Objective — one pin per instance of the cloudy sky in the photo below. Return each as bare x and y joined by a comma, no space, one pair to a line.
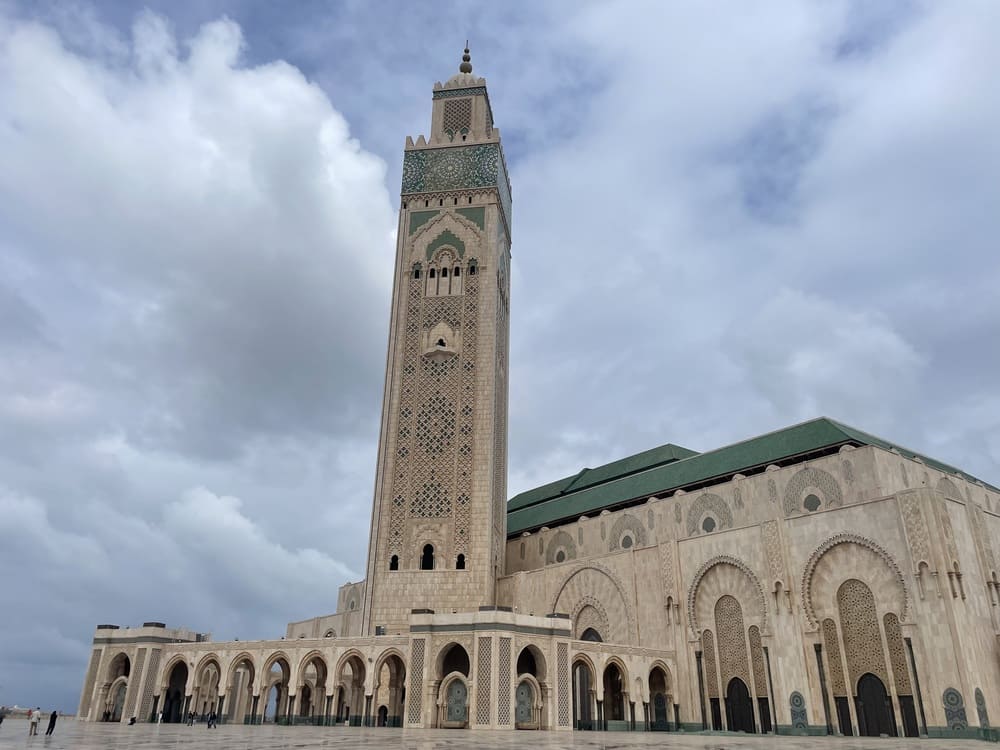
728,217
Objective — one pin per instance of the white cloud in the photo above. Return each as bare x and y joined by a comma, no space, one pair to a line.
195,254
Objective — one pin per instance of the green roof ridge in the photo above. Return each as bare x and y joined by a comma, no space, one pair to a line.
562,500
588,477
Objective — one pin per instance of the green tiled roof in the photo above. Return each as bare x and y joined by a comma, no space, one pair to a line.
589,477
670,467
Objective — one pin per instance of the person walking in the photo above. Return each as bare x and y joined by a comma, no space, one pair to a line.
52,723
33,719
3,713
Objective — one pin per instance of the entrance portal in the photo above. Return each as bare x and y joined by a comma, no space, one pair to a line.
875,714
457,710
739,709
524,709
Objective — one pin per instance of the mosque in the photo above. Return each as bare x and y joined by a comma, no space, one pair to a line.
814,580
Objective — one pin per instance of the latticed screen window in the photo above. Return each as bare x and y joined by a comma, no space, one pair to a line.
457,116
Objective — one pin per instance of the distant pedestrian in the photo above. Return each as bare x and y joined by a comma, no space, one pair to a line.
33,718
3,713
52,723
159,718
131,722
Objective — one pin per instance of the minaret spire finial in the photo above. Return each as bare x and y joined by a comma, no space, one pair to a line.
466,66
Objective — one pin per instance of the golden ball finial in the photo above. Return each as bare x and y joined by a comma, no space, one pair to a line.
466,66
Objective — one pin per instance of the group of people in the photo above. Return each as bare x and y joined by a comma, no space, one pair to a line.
34,717
211,719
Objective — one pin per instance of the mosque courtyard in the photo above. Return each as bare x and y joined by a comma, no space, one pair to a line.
73,735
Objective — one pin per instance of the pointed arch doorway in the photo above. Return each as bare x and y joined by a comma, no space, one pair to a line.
875,714
739,708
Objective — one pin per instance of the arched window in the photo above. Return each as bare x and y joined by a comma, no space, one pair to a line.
458,271
432,274
427,559
460,563
444,273
591,635
394,562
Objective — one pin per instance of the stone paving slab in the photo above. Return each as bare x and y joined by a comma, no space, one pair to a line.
73,735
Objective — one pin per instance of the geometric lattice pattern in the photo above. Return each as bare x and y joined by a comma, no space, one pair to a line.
147,693
435,425
431,501
837,682
897,654
135,683
435,420
711,675
483,704
457,116
503,683
562,664
467,397
501,334
757,659
732,641
859,624
415,696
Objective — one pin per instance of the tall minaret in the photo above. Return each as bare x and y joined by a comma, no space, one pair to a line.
439,517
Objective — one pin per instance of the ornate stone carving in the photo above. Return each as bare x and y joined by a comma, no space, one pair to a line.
633,527
667,570
916,529
897,654
838,685
949,489
757,661
848,468
859,624
708,504
708,654
772,548
811,478
829,544
597,581
561,542
743,568
731,635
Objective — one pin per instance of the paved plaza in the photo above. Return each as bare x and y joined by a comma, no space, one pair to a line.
73,735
